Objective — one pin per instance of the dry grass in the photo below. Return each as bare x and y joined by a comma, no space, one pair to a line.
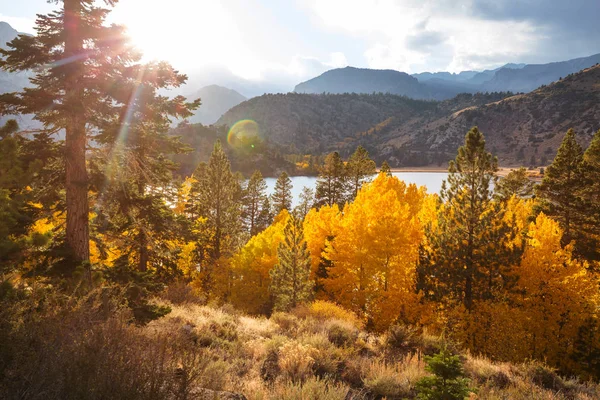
86,352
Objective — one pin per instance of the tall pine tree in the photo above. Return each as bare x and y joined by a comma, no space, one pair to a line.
80,66
253,201
281,199
561,184
290,277
332,184
220,208
467,247
359,169
588,241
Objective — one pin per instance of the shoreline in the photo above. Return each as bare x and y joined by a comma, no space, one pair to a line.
502,171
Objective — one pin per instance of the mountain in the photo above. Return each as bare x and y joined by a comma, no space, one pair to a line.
216,100
13,81
532,76
521,129
363,80
444,85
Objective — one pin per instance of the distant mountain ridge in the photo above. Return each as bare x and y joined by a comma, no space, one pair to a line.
444,85
215,101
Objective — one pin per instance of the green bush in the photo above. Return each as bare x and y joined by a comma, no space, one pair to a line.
447,382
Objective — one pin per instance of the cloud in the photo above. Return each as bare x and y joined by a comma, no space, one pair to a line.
24,25
413,35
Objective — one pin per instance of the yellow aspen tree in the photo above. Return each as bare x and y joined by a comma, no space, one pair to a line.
374,255
251,265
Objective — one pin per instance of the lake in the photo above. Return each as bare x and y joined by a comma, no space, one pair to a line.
431,180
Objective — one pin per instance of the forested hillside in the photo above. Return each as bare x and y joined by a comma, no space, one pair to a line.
522,130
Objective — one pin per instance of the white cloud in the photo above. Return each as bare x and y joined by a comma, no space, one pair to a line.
405,35
24,25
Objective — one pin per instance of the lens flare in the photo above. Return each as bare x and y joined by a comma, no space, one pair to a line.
243,132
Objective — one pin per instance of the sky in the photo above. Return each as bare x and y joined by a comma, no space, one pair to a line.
285,42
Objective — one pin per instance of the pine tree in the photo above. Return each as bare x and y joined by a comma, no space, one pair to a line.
332,182
385,168
448,381
253,200
265,218
588,241
217,196
80,95
467,248
290,278
562,181
359,170
515,183
134,170
281,199
307,198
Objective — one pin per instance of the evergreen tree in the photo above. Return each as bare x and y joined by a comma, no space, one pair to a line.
515,183
134,169
561,184
30,173
265,218
307,198
448,381
359,170
217,196
467,248
385,168
281,199
253,200
290,278
332,182
588,241
81,95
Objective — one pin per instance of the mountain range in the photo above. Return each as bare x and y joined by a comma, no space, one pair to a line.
522,129
444,85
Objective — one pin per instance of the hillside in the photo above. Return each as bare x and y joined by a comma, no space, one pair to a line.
216,100
411,132
201,352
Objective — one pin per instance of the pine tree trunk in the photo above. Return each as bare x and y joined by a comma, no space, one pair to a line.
75,139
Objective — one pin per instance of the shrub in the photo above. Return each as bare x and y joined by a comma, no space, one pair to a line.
287,322
341,334
313,388
383,380
327,358
403,338
180,292
296,361
325,310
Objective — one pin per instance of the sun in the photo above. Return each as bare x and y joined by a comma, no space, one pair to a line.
187,34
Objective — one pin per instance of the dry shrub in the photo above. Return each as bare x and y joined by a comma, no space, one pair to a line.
327,358
483,371
403,339
325,310
296,361
181,292
341,333
313,389
287,322
393,381
70,351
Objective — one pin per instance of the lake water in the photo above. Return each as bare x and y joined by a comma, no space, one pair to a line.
431,180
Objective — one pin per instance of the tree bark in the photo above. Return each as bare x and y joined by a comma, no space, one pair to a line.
77,235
